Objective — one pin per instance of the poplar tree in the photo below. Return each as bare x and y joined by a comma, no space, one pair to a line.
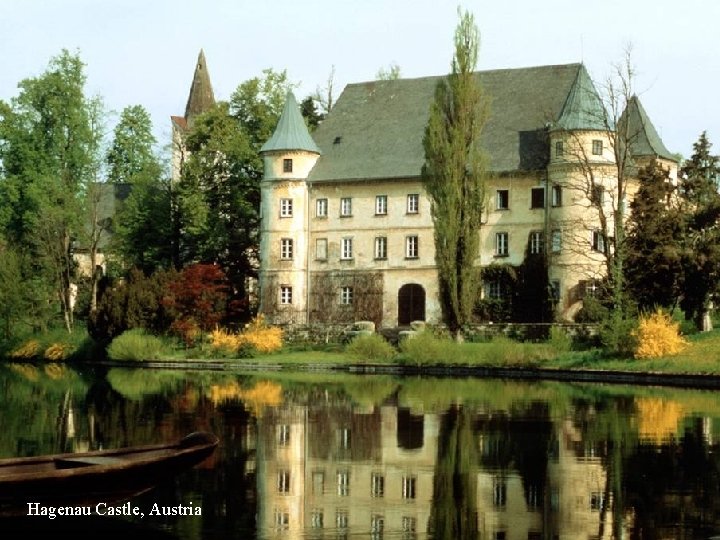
454,176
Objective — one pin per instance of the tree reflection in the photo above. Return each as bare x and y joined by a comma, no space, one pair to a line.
454,505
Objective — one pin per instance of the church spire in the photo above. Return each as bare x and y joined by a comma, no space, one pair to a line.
201,96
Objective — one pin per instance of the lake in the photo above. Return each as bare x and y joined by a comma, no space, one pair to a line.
323,455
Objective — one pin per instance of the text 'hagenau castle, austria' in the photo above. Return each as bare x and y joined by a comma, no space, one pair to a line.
346,227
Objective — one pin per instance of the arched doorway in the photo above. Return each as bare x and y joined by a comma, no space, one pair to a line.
411,304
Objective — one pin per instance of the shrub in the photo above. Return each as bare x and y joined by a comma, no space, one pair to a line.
27,351
57,352
657,335
426,348
370,347
261,336
258,336
617,334
559,340
135,344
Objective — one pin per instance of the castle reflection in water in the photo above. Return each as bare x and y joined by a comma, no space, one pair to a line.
328,472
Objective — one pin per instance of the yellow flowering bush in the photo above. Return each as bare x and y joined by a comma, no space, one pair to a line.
27,350
57,352
257,334
657,335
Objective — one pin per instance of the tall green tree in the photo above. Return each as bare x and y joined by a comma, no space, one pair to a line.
219,196
47,145
143,232
653,268
454,176
131,157
701,208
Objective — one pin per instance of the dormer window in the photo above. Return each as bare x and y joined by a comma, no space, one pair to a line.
287,165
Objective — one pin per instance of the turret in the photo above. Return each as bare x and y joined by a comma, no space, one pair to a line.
288,157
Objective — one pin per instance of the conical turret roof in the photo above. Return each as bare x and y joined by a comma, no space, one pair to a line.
291,132
583,109
641,134
201,96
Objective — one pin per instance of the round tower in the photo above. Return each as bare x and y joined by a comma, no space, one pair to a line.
288,157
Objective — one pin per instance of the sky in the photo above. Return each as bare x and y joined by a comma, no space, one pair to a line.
144,51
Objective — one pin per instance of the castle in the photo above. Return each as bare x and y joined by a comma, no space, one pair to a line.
347,232
346,227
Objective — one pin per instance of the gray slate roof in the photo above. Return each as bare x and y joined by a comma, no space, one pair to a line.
291,132
643,137
376,128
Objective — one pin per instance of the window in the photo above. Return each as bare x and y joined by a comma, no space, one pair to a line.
536,242
377,485
597,501
286,249
409,527
287,165
413,203
381,247
556,195
345,207
286,207
381,205
597,195
537,198
494,290
321,208
556,240
555,290
318,482
377,526
285,295
408,487
316,519
598,241
499,492
346,296
282,520
346,248
559,149
321,249
341,519
283,482
502,199
597,147
343,483
501,244
283,435
591,287
411,247
344,436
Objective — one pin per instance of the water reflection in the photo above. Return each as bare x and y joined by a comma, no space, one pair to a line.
330,456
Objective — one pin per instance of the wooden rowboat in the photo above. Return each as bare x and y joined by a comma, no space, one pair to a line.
98,476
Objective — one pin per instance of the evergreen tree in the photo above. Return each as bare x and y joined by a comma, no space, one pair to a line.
454,176
701,209
653,266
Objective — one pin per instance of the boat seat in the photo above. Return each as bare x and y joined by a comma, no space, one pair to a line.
85,461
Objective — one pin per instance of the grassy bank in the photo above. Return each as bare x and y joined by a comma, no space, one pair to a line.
702,354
